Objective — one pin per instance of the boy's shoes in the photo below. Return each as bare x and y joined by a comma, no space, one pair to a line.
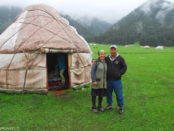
94,110
101,109
108,107
120,110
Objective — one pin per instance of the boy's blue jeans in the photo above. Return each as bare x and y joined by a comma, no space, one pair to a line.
117,87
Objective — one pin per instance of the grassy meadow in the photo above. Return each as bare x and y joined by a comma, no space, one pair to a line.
148,88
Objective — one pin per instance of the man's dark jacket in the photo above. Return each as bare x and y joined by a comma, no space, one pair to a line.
116,68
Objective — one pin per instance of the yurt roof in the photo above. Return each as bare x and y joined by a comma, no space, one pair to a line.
41,27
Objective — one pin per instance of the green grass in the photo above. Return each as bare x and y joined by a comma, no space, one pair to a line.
148,92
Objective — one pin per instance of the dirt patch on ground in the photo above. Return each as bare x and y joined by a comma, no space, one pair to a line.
61,95
10,122
1,102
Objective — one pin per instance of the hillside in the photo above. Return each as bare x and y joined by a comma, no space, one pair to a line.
150,24
95,26
85,27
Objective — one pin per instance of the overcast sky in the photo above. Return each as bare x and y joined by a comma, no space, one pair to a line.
109,10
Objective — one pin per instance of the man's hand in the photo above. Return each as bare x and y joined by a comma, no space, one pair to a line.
95,83
93,61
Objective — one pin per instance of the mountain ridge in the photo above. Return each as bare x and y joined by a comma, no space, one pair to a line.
85,29
151,23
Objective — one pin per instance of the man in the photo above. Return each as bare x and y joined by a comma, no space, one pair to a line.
116,67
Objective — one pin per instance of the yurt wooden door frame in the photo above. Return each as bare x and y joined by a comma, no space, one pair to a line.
53,79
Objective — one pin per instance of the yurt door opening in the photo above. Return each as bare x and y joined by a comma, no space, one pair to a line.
57,71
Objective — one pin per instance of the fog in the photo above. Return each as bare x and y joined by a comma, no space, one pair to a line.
108,10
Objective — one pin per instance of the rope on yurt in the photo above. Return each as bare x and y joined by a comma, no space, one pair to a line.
22,43
29,59
60,22
15,32
26,72
12,56
57,20
13,52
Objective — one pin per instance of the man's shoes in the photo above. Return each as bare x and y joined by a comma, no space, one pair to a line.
120,110
94,110
108,107
101,109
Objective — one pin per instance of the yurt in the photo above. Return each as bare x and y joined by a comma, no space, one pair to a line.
159,47
30,48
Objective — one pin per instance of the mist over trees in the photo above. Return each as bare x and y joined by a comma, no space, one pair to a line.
150,24
86,29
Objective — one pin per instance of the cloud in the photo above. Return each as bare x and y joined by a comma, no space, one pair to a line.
109,10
